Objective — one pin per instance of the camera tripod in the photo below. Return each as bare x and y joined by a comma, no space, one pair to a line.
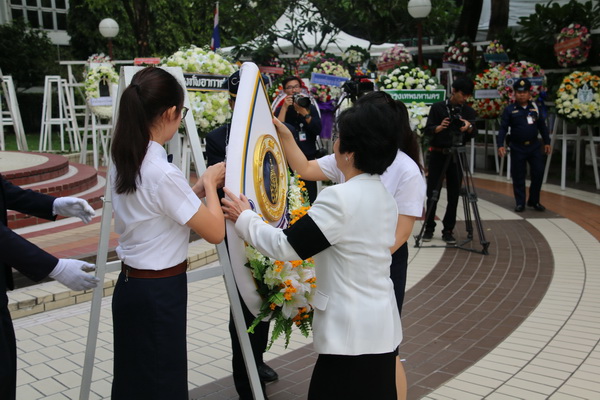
469,197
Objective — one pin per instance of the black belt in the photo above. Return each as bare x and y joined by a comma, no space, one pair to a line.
153,274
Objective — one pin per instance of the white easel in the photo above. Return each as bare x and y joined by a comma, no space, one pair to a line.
577,137
102,267
65,120
12,116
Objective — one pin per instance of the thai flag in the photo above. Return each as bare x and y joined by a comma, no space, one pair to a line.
215,41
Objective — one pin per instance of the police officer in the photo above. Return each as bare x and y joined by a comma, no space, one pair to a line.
525,121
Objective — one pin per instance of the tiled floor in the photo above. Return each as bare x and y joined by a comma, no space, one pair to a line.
520,322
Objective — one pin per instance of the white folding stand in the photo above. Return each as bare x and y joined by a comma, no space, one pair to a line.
577,137
102,267
11,117
65,120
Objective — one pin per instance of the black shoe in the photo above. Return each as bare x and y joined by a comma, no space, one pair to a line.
520,208
427,236
537,207
266,373
448,238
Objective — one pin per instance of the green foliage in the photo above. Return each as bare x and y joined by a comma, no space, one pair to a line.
537,36
27,54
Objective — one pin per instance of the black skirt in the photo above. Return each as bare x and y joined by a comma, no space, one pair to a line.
367,376
149,325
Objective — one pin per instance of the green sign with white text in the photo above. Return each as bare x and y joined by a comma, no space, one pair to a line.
418,96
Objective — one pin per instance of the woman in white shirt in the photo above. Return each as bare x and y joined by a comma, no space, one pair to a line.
403,180
349,230
154,208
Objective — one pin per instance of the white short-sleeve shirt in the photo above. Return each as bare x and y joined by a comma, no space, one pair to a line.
402,179
151,221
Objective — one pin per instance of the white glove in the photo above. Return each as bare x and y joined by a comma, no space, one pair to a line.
73,207
71,274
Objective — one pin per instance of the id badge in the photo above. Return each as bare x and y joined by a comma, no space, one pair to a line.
530,120
302,136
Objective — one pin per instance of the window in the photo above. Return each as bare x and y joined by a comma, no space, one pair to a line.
46,14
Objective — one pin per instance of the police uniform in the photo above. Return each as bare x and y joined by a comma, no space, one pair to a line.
524,123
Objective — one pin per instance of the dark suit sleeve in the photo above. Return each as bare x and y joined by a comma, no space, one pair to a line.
435,117
24,256
15,251
471,116
314,127
504,125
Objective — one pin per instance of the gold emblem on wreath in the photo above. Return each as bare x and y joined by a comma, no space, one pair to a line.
270,178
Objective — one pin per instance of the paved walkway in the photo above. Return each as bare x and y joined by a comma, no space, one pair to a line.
519,323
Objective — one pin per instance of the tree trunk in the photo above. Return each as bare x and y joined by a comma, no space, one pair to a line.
137,12
468,22
498,18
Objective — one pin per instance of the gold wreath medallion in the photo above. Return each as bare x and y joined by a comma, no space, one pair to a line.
270,178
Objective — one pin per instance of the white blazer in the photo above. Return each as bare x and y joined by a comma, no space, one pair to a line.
355,306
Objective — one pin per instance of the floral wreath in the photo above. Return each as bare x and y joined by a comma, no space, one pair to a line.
325,93
575,55
393,57
286,287
408,78
418,113
355,55
458,53
303,62
92,87
488,80
578,98
96,59
495,47
210,109
520,69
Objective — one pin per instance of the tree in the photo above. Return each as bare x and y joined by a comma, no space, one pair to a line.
468,23
498,18
26,53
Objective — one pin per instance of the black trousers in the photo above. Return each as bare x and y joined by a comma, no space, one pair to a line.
149,325
8,350
258,340
398,270
453,179
520,156
367,376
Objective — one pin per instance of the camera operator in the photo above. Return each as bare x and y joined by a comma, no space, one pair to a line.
297,111
450,124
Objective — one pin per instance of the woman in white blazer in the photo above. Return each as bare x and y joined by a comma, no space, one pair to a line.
349,231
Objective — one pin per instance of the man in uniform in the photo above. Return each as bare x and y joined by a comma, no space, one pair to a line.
524,121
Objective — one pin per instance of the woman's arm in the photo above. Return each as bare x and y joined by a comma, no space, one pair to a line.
403,230
208,221
308,170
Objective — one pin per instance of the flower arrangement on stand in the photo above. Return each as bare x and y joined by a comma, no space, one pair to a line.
406,78
488,108
303,62
520,69
286,287
578,40
393,57
458,53
578,98
324,93
495,47
98,59
106,75
210,109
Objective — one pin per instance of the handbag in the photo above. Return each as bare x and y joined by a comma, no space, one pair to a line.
321,149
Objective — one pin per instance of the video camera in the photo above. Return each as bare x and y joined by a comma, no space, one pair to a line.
302,100
458,137
357,86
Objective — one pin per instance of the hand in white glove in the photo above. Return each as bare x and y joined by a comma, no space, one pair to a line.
71,274
73,207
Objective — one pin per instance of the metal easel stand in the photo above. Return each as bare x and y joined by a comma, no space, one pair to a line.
203,273
11,117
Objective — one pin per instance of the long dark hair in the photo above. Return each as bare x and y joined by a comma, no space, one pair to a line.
408,142
152,91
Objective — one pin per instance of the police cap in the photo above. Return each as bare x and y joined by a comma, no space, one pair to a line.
232,83
522,85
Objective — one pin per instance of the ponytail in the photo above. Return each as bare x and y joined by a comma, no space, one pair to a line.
152,91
